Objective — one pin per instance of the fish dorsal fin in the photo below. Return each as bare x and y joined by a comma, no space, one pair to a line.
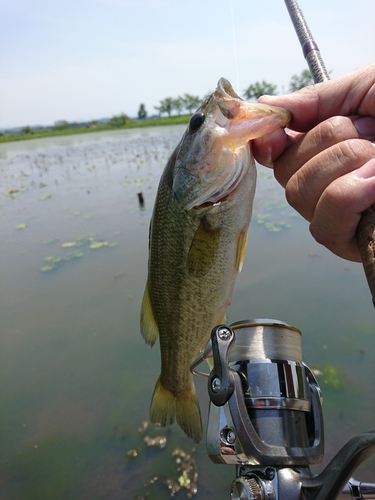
149,327
203,249
241,250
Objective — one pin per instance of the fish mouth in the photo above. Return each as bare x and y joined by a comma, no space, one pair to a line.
245,121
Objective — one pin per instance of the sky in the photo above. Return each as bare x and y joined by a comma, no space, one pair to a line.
80,60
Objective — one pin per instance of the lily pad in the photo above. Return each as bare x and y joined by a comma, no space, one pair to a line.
23,225
73,255
98,244
44,197
69,244
51,263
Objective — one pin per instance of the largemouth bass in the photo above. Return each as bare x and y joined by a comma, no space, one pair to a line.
198,235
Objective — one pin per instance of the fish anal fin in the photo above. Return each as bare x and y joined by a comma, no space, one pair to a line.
203,249
241,250
149,327
166,408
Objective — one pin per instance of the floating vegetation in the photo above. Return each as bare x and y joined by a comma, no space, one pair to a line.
13,192
275,205
275,227
23,225
181,464
50,241
188,470
330,375
144,426
133,453
158,441
272,218
261,218
54,262
138,182
51,263
100,244
69,244
44,197
73,255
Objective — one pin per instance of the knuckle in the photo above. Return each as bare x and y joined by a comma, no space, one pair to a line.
295,195
355,152
334,130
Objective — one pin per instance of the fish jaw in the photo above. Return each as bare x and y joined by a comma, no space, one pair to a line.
213,159
246,120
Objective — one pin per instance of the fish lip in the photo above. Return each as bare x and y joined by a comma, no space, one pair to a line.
234,107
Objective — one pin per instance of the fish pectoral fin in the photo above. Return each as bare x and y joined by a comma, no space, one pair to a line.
149,327
241,250
203,249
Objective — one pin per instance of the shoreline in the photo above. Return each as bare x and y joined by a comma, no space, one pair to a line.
152,122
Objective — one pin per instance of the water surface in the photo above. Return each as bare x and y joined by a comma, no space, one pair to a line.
76,376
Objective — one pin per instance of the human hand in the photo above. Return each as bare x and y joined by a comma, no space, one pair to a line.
326,160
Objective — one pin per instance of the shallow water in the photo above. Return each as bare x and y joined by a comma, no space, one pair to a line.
76,376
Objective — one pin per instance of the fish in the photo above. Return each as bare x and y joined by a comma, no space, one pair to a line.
197,242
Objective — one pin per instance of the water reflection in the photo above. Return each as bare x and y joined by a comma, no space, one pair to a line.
76,377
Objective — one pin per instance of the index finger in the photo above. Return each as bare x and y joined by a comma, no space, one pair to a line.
347,95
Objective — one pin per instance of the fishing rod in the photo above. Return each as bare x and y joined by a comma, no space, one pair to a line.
366,227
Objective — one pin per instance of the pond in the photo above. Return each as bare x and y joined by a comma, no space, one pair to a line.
76,375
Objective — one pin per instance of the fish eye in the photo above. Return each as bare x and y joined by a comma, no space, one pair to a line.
196,121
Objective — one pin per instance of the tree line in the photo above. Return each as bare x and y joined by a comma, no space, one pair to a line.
186,103
189,103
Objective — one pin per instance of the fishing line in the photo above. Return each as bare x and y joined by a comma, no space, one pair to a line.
234,48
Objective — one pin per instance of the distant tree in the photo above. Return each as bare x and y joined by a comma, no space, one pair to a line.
119,120
255,90
190,102
27,130
142,113
166,106
299,81
178,104
61,125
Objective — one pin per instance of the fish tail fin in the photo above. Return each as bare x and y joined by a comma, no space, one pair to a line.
188,415
163,406
166,408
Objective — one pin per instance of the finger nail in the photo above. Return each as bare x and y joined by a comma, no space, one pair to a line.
366,171
366,127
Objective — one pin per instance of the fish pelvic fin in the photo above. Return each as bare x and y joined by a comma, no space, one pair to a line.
166,408
149,327
241,250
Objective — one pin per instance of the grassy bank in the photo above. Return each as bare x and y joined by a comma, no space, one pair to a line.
173,120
